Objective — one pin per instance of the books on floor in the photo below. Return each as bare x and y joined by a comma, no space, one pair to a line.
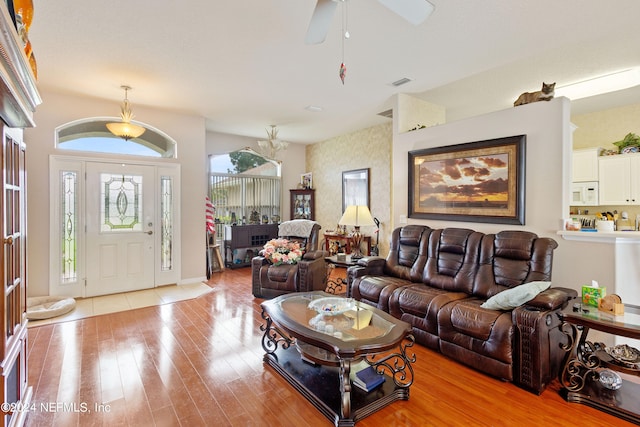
367,379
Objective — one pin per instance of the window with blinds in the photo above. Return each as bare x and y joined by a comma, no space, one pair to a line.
245,188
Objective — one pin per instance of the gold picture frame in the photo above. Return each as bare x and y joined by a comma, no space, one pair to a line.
481,181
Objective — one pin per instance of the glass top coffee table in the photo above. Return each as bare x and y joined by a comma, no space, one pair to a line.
314,340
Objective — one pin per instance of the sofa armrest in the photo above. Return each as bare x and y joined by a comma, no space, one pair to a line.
538,339
256,265
372,265
312,274
551,299
311,255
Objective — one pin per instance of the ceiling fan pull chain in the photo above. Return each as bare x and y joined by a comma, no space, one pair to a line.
342,73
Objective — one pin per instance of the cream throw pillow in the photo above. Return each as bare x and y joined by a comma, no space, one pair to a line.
512,298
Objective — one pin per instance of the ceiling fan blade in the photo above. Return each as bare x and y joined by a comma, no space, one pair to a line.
414,11
320,21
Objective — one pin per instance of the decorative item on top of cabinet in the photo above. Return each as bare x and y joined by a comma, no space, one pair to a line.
619,178
302,204
629,144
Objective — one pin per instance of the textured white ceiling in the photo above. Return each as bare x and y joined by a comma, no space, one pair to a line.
243,64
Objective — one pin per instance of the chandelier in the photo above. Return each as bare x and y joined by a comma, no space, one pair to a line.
270,147
125,129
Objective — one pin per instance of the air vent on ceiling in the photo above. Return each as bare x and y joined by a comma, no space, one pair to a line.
401,82
388,113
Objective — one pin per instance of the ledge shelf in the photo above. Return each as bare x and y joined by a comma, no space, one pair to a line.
601,236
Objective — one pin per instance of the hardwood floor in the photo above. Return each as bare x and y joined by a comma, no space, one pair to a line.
199,363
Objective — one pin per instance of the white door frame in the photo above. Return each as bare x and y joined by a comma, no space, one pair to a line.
76,286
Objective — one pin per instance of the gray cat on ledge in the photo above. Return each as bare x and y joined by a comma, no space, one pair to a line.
546,94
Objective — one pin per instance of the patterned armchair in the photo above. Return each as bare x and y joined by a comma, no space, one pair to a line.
309,274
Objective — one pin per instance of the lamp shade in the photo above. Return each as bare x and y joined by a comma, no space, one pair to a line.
358,216
125,130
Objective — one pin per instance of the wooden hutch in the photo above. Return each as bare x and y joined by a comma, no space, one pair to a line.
18,100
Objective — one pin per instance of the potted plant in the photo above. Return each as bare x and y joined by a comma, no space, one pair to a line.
629,144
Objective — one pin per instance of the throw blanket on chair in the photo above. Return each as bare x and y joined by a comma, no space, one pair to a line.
296,227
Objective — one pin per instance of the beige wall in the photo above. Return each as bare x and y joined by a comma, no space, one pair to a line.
57,109
548,131
366,148
602,128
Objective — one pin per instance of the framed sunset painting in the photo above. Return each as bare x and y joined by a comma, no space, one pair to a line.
479,181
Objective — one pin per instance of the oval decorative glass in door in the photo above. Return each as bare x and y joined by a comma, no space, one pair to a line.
121,202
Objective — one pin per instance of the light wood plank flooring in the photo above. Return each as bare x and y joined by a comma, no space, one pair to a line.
199,363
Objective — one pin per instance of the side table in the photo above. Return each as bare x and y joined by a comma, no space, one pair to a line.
585,360
345,240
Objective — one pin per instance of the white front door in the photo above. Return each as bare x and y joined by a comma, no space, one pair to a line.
115,227
120,227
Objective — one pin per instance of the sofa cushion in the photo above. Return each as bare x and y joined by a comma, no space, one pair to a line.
452,259
407,252
376,290
514,297
512,258
279,277
477,337
473,321
374,280
418,305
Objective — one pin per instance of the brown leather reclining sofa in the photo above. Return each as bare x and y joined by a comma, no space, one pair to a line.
437,279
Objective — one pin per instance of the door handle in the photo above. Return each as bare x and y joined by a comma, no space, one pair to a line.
150,232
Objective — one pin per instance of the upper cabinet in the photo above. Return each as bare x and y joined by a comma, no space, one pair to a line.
585,164
619,179
302,204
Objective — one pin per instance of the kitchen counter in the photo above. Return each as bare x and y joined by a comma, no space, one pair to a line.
601,236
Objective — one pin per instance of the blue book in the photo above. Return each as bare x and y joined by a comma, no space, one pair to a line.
368,379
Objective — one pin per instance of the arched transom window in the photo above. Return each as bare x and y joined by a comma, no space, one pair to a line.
92,135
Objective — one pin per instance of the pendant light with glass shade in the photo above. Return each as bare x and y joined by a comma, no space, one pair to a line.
125,129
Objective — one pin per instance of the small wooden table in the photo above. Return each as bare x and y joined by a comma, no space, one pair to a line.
384,344
347,239
584,360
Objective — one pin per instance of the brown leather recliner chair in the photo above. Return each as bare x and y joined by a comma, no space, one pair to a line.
309,274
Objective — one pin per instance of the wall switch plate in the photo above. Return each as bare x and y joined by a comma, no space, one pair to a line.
403,219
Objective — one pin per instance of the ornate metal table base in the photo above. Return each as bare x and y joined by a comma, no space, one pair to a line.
318,382
337,285
580,376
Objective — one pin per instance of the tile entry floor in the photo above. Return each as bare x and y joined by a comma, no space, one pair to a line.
87,307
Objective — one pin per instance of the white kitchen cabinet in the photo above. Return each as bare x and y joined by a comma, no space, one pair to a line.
585,164
620,179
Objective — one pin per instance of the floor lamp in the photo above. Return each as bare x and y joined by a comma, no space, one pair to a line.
357,216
